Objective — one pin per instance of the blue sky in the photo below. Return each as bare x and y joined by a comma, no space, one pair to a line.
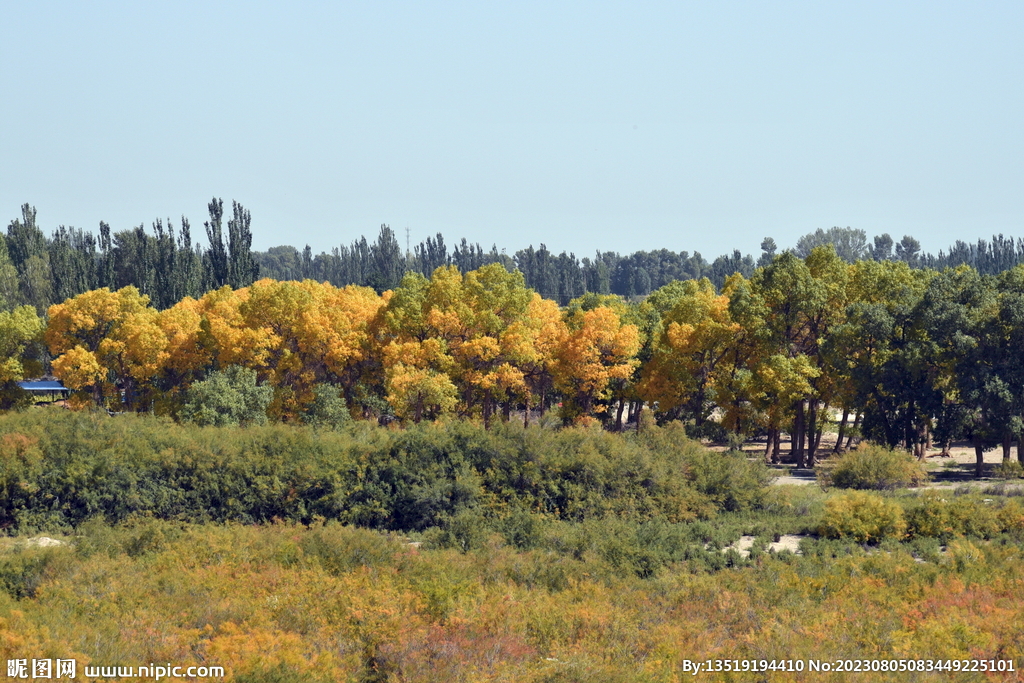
612,126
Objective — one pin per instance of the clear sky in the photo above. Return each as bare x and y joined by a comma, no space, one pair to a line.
612,126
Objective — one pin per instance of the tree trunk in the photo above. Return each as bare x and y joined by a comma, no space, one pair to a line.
979,455
794,436
1007,443
842,429
768,445
799,434
812,429
856,423
618,415
818,430
777,446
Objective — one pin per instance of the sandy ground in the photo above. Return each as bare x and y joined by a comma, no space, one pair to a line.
950,471
787,542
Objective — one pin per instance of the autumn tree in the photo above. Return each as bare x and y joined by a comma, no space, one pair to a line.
597,348
696,336
471,332
107,343
309,333
20,333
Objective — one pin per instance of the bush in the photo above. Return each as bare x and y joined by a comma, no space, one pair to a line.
328,409
1011,516
1009,469
873,467
227,398
61,468
863,517
944,519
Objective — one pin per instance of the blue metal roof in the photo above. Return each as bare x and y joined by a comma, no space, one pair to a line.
42,385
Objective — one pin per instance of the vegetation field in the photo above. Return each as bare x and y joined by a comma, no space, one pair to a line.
450,552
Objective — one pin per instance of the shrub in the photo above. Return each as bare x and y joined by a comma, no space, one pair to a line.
863,517
328,409
874,467
1009,469
227,397
1011,516
945,519
60,468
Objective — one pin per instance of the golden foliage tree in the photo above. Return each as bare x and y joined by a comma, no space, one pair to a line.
596,349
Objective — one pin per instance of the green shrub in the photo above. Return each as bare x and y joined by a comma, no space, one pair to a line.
1009,469
227,397
61,468
863,517
944,518
873,467
328,409
24,570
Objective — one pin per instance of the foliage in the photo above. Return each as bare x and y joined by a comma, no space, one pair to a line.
228,397
873,467
909,355
330,602
328,409
862,517
21,332
59,468
946,518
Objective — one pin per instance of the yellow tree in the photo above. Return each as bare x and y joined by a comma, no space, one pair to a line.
225,333
417,385
537,336
491,343
107,343
596,349
19,329
476,329
645,317
315,333
696,337
188,358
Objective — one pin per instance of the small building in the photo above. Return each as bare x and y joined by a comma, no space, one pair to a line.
52,388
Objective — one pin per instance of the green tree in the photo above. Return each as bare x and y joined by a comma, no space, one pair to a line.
24,238
227,397
72,262
388,261
243,269
959,312
327,410
850,244
21,332
215,260
36,287
887,352
9,294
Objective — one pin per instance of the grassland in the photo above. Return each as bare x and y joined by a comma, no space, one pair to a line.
450,552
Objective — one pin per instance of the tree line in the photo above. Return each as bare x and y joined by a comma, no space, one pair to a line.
166,264
907,356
